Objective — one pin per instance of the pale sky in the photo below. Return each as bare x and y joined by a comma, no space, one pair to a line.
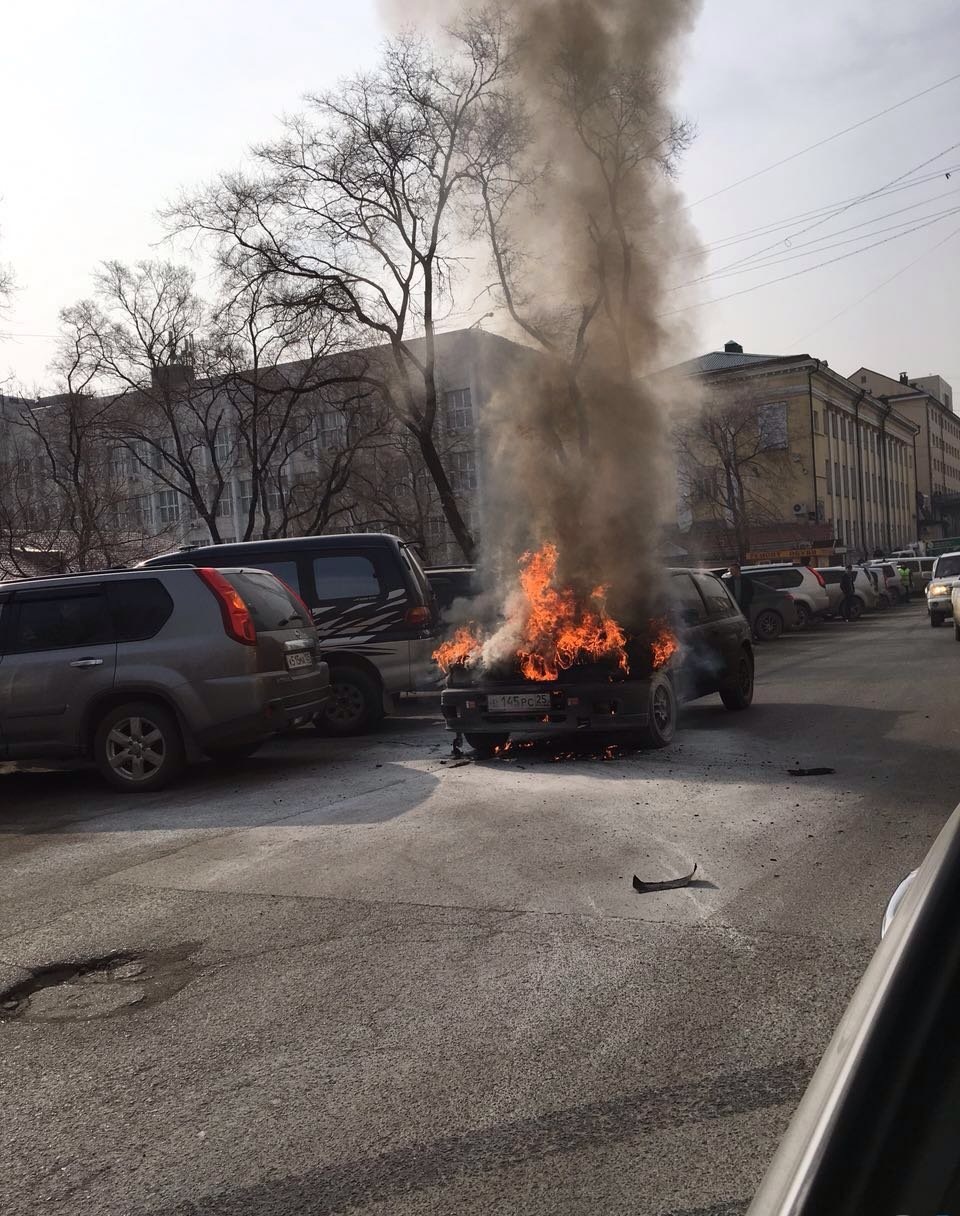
110,106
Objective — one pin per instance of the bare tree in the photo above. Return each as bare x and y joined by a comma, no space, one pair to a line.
727,458
353,210
63,503
199,398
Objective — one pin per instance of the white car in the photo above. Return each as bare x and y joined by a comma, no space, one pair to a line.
946,574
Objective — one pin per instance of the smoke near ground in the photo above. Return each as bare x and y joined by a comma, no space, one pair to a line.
581,216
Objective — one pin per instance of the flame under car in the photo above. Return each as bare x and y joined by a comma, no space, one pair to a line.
714,655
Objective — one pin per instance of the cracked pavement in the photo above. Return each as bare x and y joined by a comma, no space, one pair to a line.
409,986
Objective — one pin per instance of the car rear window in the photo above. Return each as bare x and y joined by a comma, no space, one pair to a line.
271,605
286,571
141,607
686,600
776,578
831,577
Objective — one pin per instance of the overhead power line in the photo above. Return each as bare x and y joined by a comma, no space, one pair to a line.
826,140
873,290
797,273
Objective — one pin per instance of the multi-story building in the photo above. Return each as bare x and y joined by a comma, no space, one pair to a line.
788,459
927,402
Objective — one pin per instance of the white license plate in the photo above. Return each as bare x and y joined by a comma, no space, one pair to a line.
517,702
300,658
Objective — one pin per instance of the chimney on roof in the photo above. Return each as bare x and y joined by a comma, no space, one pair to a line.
732,348
903,378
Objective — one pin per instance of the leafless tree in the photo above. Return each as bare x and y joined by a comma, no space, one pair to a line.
63,505
353,210
198,397
727,457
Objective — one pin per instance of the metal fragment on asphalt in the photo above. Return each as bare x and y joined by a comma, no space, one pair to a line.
669,884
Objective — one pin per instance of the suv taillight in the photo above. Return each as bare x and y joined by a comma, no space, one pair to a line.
817,575
420,615
237,621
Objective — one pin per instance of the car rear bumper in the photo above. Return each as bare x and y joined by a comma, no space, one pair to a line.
307,696
606,707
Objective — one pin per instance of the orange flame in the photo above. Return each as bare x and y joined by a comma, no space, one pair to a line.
463,647
558,631
663,646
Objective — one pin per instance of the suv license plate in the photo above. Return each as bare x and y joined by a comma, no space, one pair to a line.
300,658
517,702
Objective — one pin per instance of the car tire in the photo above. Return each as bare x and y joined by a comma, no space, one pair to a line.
804,615
661,723
936,620
355,705
768,626
486,746
857,608
232,753
138,747
737,692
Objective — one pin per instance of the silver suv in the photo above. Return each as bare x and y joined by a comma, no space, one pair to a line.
805,585
141,670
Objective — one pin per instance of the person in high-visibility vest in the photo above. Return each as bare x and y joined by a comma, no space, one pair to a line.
906,583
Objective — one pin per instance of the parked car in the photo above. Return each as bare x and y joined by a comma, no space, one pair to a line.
889,574
805,585
946,572
372,605
451,583
876,1130
136,670
770,611
715,655
865,592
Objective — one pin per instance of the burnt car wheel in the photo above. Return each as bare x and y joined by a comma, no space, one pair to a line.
737,692
768,626
485,746
355,705
138,747
662,708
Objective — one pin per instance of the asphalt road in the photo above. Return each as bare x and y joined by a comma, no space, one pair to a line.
359,976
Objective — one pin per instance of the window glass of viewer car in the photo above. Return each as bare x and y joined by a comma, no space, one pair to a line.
716,595
61,621
270,603
780,579
685,600
140,607
345,576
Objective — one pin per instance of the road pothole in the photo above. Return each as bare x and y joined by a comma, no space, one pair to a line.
101,987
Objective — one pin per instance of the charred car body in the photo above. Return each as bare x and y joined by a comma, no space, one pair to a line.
701,646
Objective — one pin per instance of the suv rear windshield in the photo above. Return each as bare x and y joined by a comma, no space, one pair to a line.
776,578
271,604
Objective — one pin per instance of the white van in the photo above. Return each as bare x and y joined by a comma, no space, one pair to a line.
946,573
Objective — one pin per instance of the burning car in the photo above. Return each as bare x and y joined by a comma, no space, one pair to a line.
574,669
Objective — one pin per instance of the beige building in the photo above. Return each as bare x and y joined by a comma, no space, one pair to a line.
928,403
826,470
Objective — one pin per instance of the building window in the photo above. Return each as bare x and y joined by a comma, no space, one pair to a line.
245,497
222,446
459,410
816,421
463,471
829,479
833,424
331,430
119,463
836,477
168,506
435,530
225,505
772,426
846,482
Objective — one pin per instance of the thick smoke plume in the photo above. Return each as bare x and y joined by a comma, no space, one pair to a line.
575,189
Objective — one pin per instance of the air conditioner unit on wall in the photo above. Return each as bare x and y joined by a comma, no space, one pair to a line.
799,508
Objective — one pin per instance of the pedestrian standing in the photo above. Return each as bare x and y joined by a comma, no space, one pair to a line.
906,581
741,588
848,599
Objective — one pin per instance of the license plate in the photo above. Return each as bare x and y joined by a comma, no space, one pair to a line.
300,658
517,702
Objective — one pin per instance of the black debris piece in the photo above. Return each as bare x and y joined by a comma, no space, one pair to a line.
457,749
810,772
670,884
